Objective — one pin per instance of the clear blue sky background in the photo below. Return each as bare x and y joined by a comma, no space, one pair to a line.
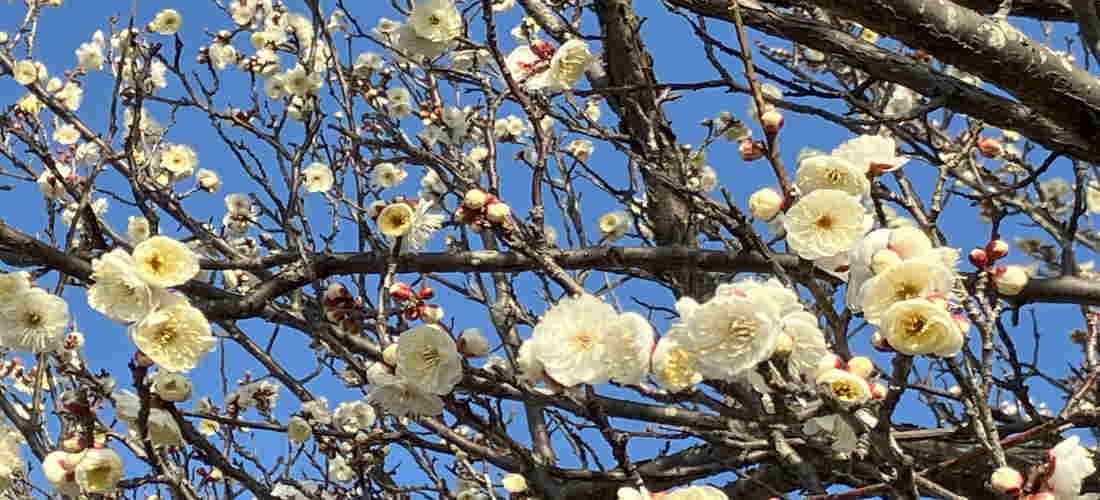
678,57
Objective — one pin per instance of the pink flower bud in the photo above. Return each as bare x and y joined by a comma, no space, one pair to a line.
978,257
401,292
996,249
878,391
1010,280
425,293
990,147
751,150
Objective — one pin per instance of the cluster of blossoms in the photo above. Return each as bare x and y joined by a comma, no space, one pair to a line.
540,66
426,364
1068,464
413,221
1009,280
725,338
72,470
133,288
350,416
413,303
481,210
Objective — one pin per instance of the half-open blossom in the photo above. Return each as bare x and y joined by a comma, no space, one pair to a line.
845,387
164,262
1010,280
824,223
765,204
99,470
873,152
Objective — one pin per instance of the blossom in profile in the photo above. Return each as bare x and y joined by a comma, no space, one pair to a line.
921,326
119,292
402,397
317,177
825,223
33,321
164,262
821,171
51,185
428,356
567,66
570,340
166,22
98,470
1072,463
808,344
59,468
175,336
844,386
872,152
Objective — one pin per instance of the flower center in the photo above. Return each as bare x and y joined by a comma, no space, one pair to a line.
907,290
431,356
156,262
583,341
825,222
435,20
844,390
837,176
168,332
398,219
33,319
740,331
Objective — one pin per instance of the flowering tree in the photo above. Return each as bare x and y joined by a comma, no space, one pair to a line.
565,300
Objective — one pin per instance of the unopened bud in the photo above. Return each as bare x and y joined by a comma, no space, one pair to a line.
1010,280
772,121
514,483
498,212
996,249
475,199
425,292
751,150
784,345
765,203
878,391
978,257
861,365
401,292
990,147
1042,495
954,390
964,324
472,344
1007,480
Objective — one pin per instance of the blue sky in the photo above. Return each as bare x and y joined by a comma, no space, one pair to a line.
669,37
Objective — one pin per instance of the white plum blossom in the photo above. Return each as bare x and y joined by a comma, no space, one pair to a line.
824,223
844,386
98,470
436,20
403,397
89,55
831,172
428,356
164,262
317,177
570,340
33,320
166,22
673,364
353,416
614,225
1072,463
872,152
387,175
175,336
730,334
920,326
911,279
567,66
119,292
630,341
808,344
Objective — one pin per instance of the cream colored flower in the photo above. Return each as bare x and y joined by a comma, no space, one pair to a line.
301,82
730,335
473,344
59,468
844,387
915,278
175,335
396,219
137,229
318,177
171,386
33,321
66,135
514,483
12,284
426,355
179,160
162,428
423,224
580,148
1011,280
89,55
873,152
354,416
920,326
298,430
29,71
417,46
824,223
765,204
208,180
166,22
831,172
99,470
808,344
567,66
401,397
51,186
119,291
674,365
340,470
629,341
570,340
164,262
436,20
387,175
614,225
1072,463
703,492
